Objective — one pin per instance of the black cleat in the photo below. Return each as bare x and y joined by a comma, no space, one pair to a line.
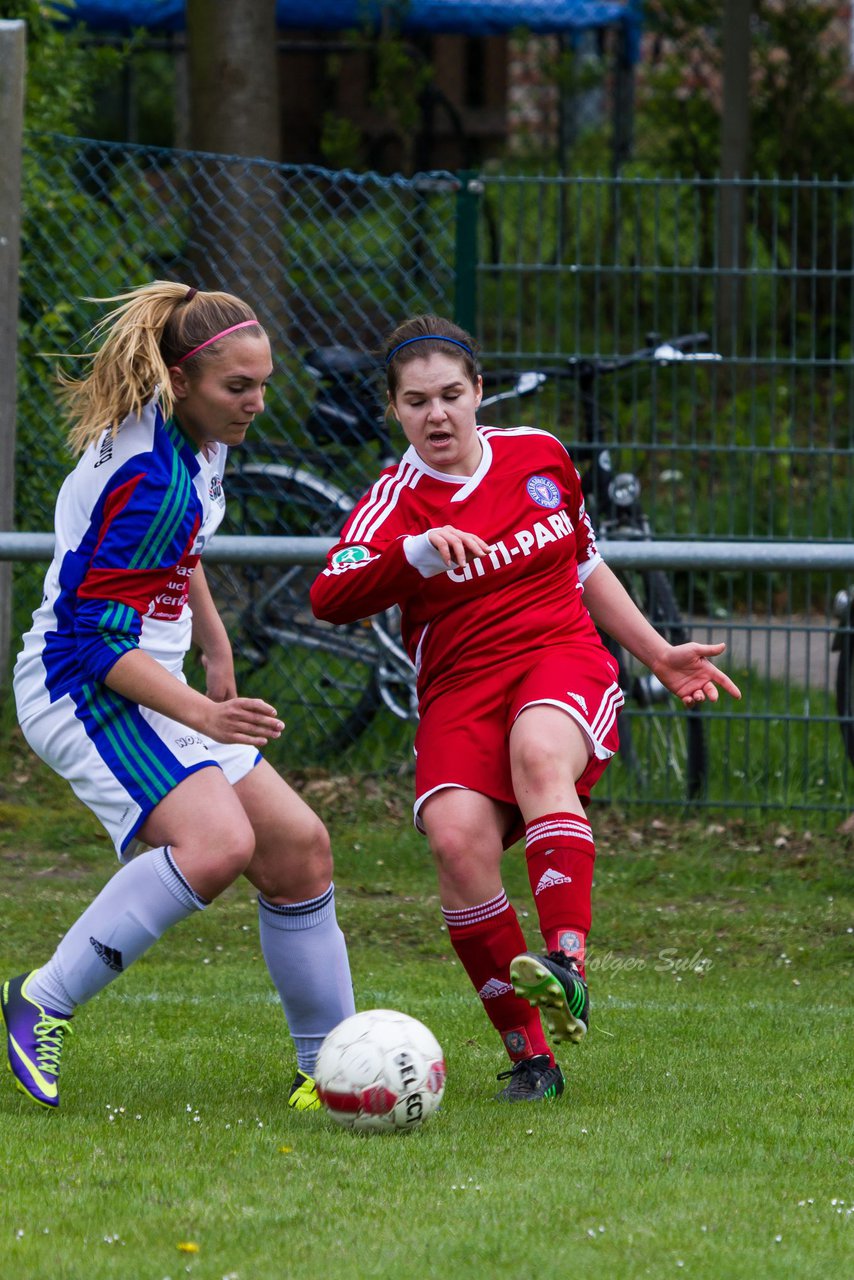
531,1080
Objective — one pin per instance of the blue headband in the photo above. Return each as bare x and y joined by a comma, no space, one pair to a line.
428,337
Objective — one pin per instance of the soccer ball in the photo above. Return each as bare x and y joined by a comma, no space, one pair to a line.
380,1071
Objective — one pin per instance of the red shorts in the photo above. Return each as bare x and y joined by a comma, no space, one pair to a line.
463,738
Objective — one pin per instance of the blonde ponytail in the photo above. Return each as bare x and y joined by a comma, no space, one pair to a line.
154,327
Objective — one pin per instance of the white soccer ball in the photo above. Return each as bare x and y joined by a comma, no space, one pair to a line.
380,1070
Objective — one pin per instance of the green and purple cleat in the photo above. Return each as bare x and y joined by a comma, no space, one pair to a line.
34,1036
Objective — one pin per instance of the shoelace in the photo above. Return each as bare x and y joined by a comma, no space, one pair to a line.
531,1067
49,1032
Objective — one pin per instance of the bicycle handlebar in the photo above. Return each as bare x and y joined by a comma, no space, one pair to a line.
670,350
587,369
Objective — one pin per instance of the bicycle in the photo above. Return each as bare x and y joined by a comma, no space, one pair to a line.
342,676
843,644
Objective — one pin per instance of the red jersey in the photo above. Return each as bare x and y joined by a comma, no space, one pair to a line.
526,594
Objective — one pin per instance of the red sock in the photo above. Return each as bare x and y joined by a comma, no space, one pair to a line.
486,938
560,853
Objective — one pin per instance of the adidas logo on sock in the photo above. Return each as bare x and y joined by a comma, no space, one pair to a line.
494,987
550,879
110,956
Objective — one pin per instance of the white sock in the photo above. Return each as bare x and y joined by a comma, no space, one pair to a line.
130,913
306,954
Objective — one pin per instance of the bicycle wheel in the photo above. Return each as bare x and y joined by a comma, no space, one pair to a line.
396,679
321,678
844,644
663,746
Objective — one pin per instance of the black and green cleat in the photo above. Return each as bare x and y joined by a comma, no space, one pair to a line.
531,1080
554,985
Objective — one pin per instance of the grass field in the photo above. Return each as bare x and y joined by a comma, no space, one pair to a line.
706,1129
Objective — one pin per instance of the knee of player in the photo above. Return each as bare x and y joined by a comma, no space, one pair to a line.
232,848
296,866
452,845
307,846
538,762
317,849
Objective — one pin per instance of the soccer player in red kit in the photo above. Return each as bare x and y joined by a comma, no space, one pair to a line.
480,535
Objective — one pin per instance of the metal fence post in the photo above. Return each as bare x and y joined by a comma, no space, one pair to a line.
465,275
12,64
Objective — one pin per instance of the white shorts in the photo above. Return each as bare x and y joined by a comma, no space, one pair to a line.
122,759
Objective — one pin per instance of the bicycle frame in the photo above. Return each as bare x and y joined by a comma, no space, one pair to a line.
324,489
843,645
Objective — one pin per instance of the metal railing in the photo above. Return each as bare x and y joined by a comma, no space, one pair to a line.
803,557
781,747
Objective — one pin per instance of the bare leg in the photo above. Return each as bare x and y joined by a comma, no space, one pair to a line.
548,753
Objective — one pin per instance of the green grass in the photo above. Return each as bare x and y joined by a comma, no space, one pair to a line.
707,1114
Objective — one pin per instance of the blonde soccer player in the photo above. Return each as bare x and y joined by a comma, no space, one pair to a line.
175,775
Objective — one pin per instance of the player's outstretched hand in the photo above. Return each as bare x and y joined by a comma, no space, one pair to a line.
456,547
686,670
244,720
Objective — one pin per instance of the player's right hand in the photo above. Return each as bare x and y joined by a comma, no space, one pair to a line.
249,721
456,547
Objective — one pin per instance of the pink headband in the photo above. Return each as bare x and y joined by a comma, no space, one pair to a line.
244,324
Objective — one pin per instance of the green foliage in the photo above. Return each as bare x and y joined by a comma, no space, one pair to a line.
341,142
62,73
399,76
580,75
135,102
801,111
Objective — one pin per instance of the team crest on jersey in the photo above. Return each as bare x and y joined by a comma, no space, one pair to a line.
544,491
215,490
351,555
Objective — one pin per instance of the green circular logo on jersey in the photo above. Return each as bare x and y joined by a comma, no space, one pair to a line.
351,555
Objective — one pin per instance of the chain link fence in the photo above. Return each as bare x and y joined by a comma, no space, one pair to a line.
751,444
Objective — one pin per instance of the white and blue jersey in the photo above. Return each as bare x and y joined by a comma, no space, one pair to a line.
131,522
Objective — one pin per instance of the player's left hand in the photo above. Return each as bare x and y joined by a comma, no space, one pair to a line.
456,547
220,680
686,670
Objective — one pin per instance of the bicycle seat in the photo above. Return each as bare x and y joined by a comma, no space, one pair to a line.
340,362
